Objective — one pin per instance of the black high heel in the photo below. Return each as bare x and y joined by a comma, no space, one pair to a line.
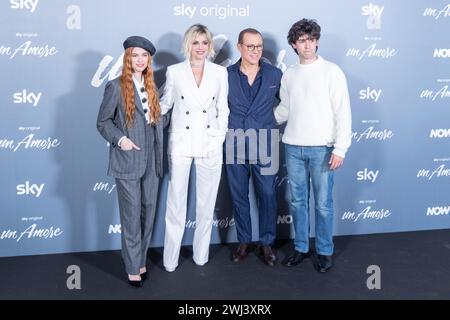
135,283
144,276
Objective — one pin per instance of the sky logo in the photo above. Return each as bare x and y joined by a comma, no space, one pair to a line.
30,189
367,175
27,98
24,4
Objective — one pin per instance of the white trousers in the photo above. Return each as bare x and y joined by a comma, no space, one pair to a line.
208,172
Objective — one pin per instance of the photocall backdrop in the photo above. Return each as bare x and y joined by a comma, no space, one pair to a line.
56,56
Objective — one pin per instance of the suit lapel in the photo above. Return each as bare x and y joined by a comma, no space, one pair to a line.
204,93
191,84
207,84
237,81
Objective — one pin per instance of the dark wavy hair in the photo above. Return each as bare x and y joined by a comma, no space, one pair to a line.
309,27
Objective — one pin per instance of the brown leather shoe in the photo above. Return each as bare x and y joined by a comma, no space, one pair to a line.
241,253
268,255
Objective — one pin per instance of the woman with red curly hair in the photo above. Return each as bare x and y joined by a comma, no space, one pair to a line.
130,120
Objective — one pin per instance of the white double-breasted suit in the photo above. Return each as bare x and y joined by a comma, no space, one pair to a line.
197,131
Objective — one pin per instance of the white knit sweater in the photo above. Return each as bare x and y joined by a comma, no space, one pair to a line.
316,105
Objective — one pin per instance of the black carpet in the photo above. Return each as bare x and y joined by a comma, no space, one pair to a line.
413,265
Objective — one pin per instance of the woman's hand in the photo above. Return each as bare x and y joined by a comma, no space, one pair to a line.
128,145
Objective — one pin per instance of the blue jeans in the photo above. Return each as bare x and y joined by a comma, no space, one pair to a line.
308,166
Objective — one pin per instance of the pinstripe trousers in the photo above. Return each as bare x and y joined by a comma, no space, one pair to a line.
137,206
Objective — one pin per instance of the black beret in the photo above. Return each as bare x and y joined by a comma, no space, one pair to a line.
141,42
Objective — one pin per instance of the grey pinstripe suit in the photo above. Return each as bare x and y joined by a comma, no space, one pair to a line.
137,172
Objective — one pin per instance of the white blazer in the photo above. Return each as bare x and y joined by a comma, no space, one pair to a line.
200,114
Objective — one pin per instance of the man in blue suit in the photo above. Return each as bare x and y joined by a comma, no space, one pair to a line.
253,92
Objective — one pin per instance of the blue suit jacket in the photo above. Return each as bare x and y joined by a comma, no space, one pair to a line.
258,114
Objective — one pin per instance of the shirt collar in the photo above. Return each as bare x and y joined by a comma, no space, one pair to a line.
137,84
260,71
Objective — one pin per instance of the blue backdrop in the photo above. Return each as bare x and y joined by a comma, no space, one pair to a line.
56,56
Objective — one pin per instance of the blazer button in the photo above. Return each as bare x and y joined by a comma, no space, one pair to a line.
187,127
182,97
207,126
187,112
214,98
217,116
204,111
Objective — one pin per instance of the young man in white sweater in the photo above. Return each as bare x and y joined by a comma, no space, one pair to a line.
316,105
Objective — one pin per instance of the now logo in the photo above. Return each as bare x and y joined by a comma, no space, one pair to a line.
24,4
27,98
115,228
367,175
438,211
30,189
441,53
440,133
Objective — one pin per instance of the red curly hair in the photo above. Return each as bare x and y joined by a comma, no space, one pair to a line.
127,88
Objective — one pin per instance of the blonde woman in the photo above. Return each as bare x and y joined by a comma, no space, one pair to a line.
196,91
130,120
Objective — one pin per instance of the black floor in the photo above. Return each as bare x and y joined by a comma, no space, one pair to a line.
413,265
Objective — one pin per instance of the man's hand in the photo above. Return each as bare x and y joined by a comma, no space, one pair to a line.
335,161
128,145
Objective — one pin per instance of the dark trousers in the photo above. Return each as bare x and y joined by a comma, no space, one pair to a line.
238,182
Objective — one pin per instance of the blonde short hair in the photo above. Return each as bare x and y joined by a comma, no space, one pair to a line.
191,34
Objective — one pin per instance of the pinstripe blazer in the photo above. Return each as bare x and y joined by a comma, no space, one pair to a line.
111,125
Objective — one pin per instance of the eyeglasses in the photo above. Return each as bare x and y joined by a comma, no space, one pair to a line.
252,47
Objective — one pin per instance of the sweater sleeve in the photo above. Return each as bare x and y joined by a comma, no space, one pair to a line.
340,102
281,112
